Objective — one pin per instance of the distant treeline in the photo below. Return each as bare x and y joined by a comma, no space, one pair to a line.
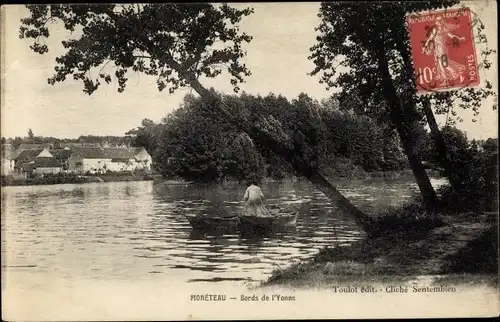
32,139
194,144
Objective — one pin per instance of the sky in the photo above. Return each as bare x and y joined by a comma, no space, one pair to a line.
277,57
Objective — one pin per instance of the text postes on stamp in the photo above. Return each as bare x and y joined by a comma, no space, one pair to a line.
444,56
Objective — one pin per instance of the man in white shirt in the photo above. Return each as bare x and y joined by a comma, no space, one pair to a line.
254,205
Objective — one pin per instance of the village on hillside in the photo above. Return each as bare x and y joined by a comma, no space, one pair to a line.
38,160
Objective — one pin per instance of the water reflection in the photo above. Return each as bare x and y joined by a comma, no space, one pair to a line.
129,230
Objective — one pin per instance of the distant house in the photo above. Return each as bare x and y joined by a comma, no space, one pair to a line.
122,159
46,165
143,159
31,153
8,161
101,160
25,157
93,160
39,166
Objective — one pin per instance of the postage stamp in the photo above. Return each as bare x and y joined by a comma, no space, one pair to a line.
444,55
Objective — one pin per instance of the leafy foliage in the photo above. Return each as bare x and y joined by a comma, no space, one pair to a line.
346,55
193,143
371,62
57,142
173,42
145,135
476,170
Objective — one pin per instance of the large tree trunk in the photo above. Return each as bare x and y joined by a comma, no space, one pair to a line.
403,122
261,137
437,137
439,142
286,153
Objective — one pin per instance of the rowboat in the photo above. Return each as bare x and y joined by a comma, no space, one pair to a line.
275,222
204,221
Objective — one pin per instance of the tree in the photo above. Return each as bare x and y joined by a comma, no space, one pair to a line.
444,102
17,142
367,51
195,144
176,43
371,61
146,135
242,161
491,145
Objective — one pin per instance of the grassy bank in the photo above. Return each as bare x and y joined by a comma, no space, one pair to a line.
70,178
463,245
46,180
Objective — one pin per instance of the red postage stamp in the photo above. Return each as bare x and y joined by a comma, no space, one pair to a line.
444,55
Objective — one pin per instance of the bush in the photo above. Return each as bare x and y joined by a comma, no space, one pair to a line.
474,175
342,168
6,180
410,218
478,184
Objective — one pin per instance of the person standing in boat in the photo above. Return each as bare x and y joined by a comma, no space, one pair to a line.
254,205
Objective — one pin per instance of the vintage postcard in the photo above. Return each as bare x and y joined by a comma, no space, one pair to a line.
321,160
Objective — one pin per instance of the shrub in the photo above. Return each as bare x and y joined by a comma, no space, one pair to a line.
478,183
410,218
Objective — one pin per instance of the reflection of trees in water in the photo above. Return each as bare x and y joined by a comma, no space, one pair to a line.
214,234
254,243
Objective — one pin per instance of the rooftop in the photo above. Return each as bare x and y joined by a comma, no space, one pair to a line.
91,153
27,155
119,153
46,162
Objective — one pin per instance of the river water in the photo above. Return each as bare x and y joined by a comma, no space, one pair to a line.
128,231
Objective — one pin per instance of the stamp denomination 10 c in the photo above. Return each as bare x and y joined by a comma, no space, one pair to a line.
444,55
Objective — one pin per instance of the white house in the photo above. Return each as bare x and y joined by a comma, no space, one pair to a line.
8,161
93,160
122,159
46,165
143,159
115,159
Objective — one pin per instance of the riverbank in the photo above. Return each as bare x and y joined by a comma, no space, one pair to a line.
69,178
464,249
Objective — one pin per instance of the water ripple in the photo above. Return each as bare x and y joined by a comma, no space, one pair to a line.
129,230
